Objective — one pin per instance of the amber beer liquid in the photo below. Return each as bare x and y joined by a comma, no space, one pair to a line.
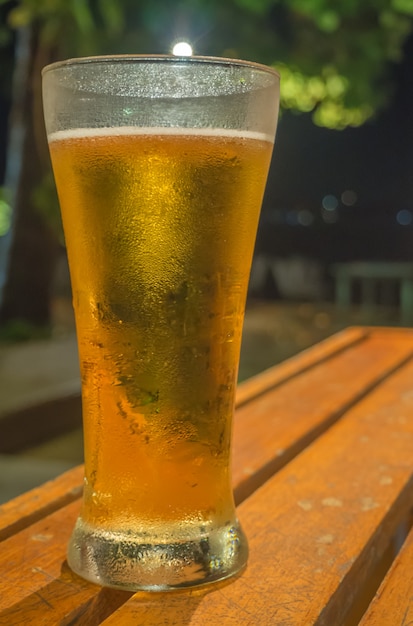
160,223
159,316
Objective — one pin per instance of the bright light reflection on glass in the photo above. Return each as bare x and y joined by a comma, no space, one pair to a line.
182,49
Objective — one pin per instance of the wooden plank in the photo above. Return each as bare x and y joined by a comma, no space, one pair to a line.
18,560
393,604
29,507
317,529
36,588
299,363
39,502
261,446
269,432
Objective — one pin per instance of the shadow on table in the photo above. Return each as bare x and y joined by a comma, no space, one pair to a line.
70,599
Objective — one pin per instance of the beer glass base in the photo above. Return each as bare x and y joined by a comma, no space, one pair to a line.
125,560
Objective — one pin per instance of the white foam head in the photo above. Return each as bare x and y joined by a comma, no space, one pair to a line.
80,133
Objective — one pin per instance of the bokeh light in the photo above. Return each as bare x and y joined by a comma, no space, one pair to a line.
349,197
182,49
330,202
305,217
404,217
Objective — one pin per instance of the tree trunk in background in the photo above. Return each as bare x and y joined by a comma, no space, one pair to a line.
34,247
15,140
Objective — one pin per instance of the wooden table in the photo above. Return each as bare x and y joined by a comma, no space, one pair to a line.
323,466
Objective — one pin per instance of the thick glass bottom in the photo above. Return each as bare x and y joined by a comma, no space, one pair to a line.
157,562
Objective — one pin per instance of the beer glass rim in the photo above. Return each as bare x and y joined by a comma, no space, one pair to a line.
161,58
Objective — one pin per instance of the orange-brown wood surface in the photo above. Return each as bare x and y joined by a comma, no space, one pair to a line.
393,604
323,470
29,507
310,524
287,417
297,364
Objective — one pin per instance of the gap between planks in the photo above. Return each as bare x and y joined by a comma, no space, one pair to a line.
43,500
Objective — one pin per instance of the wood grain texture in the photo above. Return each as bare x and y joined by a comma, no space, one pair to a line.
340,429
393,604
36,584
317,529
272,377
283,421
36,503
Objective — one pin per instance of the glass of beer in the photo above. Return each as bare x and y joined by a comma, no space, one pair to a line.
160,164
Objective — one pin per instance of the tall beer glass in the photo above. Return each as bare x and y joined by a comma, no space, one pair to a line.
160,165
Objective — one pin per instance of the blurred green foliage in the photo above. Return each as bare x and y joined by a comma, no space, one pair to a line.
336,59
335,56
5,212
20,330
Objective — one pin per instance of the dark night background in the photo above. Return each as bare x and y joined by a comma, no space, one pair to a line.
312,165
375,161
